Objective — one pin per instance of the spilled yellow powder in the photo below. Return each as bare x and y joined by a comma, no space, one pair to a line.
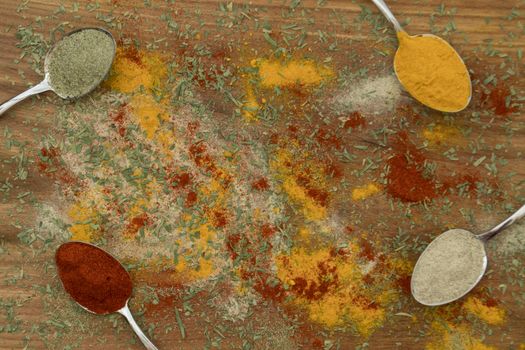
86,215
450,336
284,171
365,191
85,222
310,209
166,139
304,233
201,241
301,72
128,76
432,72
344,304
138,207
492,315
441,134
148,113
250,106
206,237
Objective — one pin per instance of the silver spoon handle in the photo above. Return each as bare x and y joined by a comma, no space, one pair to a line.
41,87
520,213
127,314
388,14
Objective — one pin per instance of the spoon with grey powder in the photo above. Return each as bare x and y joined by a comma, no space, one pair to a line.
453,264
74,66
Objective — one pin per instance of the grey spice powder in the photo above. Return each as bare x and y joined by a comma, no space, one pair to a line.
79,62
449,267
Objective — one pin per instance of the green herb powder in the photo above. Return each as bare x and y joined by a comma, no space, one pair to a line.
79,62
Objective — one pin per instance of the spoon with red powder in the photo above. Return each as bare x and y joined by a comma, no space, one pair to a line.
97,282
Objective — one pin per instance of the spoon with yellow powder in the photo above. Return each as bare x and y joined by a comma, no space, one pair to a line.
430,69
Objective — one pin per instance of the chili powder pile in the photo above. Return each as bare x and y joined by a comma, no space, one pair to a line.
92,277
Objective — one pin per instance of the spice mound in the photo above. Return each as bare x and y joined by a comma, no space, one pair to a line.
79,62
450,266
432,72
93,277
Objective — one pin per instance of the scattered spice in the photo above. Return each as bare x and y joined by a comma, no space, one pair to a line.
365,191
487,311
499,99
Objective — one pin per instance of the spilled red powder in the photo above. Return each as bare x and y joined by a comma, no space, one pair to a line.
355,119
334,170
191,199
260,184
323,283
329,139
405,179
199,154
268,230
219,218
132,53
318,344
179,180
499,100
318,195
193,127
136,224
163,305
118,118
50,163
267,286
366,251
232,242
491,302
403,282
349,230
469,180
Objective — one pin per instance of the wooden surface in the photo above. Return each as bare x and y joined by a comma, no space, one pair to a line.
17,259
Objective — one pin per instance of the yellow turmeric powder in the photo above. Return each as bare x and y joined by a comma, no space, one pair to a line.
492,315
432,72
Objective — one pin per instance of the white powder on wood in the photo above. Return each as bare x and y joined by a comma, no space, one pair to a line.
449,267
371,95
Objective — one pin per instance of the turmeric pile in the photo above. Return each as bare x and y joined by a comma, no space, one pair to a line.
432,72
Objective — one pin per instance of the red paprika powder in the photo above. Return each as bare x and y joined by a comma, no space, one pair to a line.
92,277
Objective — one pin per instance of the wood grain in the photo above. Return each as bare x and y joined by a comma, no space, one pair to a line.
474,31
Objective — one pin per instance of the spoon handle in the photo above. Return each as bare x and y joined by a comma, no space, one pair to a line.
41,87
388,14
127,314
520,213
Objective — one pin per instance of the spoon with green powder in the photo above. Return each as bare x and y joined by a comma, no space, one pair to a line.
453,264
74,66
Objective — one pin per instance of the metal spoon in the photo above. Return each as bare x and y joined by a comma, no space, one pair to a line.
456,275
124,311
390,16
46,84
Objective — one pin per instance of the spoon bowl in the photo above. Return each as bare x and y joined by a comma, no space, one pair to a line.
426,83
47,83
75,271
456,54
48,78
453,264
436,281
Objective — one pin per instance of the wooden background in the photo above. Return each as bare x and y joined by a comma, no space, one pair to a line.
470,19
